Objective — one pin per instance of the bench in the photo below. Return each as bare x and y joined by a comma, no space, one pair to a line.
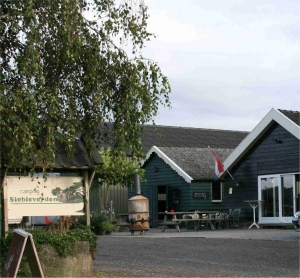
198,222
122,221
165,223
177,222
122,224
197,217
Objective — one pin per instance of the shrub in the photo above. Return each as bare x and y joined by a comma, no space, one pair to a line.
100,222
62,242
106,226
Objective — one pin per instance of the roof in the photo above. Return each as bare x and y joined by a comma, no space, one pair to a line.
186,137
287,119
183,137
292,115
190,163
80,158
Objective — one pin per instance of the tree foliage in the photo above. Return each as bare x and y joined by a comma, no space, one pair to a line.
62,68
116,170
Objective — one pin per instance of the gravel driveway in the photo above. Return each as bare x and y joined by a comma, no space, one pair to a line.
222,253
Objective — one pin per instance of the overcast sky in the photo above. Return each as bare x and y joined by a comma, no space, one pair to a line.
228,62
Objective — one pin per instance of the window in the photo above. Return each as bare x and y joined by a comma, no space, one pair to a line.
270,196
280,197
216,191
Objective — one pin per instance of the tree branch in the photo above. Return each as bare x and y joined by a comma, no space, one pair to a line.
7,15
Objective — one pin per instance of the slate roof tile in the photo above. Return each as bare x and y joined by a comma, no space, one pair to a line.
292,115
196,162
79,157
170,136
174,136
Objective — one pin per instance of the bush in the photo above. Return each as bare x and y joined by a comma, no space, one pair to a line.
106,226
100,222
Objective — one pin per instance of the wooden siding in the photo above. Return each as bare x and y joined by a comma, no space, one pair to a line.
165,176
200,204
264,158
100,198
117,193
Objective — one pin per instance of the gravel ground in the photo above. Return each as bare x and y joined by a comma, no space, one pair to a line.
230,253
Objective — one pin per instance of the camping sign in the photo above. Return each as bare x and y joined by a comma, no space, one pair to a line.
34,196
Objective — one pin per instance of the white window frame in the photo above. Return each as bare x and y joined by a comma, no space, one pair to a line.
279,219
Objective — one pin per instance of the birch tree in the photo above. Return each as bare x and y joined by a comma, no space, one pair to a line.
63,65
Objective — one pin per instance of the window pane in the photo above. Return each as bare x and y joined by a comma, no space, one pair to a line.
297,193
287,195
216,190
269,193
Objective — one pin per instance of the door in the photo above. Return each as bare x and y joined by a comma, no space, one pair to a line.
297,194
158,196
287,195
270,197
279,198
162,198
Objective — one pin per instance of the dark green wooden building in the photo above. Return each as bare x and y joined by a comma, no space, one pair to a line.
180,168
181,179
266,167
185,139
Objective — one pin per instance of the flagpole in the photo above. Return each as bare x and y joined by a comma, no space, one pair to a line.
215,156
230,174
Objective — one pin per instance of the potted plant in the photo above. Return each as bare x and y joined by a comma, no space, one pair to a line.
107,227
97,218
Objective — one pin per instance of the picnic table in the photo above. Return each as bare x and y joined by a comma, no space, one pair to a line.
198,217
123,219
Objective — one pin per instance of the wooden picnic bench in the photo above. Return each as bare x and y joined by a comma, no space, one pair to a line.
123,221
197,218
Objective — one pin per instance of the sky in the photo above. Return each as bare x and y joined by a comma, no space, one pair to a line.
228,62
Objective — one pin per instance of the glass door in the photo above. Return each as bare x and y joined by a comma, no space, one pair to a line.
297,193
287,195
270,197
280,197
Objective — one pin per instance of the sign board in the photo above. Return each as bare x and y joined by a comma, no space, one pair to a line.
201,195
33,196
22,242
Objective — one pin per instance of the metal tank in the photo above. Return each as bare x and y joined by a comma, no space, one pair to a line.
138,210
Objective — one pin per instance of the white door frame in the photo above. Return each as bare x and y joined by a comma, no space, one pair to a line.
279,219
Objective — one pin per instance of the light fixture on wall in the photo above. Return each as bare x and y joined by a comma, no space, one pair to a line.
239,183
277,141
155,169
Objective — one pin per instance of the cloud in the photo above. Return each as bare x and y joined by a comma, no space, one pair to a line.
172,31
228,62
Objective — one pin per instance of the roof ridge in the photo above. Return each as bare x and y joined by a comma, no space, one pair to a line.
293,111
197,128
293,116
201,148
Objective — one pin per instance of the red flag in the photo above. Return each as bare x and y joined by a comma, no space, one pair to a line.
219,167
